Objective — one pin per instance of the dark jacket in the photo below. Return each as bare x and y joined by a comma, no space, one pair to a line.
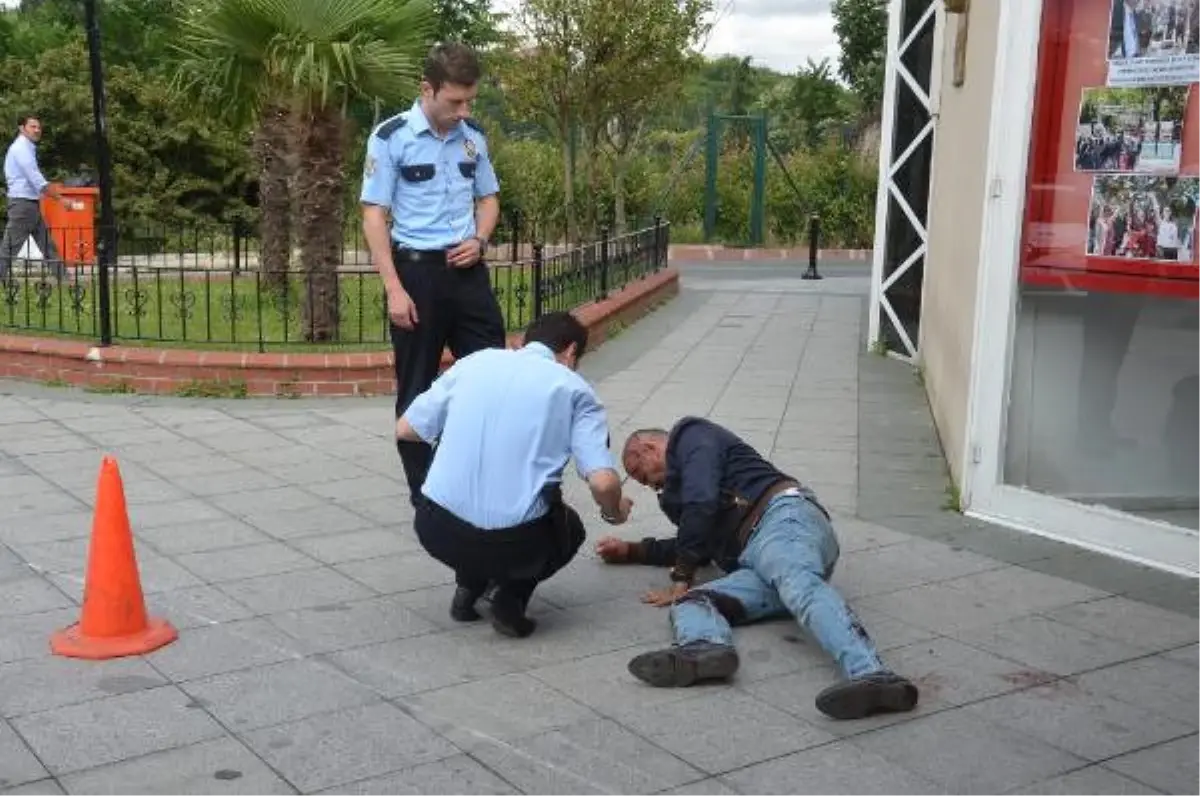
713,480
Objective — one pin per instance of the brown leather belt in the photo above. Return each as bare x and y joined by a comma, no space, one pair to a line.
756,511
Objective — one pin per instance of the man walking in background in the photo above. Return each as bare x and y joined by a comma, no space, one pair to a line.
506,423
428,169
25,185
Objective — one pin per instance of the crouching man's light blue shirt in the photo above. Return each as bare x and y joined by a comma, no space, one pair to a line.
506,423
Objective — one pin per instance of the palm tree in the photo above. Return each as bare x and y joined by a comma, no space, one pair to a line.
299,63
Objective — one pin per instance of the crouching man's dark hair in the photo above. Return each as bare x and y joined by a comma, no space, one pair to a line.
556,331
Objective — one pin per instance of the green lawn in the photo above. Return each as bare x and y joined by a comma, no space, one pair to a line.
217,311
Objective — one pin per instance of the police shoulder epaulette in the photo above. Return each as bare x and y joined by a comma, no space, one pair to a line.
390,126
474,125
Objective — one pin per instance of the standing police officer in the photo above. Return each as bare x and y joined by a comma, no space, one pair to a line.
429,168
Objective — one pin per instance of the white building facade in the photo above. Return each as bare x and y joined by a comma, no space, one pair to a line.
1035,256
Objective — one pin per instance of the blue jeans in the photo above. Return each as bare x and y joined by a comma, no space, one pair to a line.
783,570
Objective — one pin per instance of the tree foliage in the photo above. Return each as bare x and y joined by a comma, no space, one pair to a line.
861,29
607,111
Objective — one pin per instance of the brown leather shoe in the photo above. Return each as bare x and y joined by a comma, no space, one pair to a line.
882,692
682,666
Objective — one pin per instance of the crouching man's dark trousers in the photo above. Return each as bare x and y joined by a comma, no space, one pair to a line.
516,559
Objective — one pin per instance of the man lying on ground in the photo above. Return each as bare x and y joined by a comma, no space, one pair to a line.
775,542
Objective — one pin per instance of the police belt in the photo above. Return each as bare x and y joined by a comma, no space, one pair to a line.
431,256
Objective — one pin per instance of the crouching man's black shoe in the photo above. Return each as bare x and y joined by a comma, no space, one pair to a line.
508,615
682,666
881,692
462,607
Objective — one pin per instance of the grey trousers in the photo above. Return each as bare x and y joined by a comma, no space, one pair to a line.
25,221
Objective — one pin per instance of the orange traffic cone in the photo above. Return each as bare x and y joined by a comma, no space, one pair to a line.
114,622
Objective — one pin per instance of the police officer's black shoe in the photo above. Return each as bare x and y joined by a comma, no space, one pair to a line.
508,615
462,607
881,692
682,666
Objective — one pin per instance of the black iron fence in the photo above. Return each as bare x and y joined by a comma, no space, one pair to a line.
210,287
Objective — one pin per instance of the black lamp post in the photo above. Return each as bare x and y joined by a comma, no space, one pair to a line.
106,245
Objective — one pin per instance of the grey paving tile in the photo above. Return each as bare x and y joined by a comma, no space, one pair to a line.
705,787
295,523
459,774
880,570
944,608
218,766
197,606
46,527
503,708
349,745
726,729
108,730
232,479
965,754
151,515
254,503
1093,779
266,695
595,756
269,558
1132,622
338,626
350,491
36,684
201,537
291,591
1154,683
391,574
339,548
195,469
841,767
1189,655
35,504
225,647
422,663
30,596
1085,723
1170,767
18,765
43,787
1048,645
28,635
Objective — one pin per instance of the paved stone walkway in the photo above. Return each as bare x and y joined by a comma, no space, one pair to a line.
316,653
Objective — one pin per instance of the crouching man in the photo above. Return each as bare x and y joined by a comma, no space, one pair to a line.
505,423
777,546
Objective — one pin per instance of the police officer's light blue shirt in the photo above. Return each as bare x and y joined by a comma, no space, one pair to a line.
428,183
506,423
21,173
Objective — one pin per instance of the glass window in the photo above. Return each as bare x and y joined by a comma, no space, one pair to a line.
1104,388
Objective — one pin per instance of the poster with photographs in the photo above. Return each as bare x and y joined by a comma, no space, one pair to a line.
1131,130
1154,42
1143,218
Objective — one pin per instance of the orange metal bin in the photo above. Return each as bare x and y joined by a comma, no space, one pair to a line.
72,223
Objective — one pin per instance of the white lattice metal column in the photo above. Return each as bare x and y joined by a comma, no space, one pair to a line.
905,168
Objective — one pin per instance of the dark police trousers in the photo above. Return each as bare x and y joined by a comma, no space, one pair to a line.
455,308
517,559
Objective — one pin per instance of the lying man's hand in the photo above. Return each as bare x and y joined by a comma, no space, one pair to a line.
667,596
613,550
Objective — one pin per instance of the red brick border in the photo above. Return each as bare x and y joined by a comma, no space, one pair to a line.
685,253
168,370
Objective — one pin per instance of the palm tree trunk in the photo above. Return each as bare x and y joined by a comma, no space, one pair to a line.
320,192
271,145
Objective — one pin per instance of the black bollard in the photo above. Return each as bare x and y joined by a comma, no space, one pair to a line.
814,234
